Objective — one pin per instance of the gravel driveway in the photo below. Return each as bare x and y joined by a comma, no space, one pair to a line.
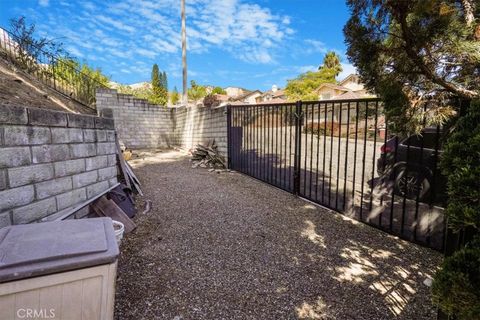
226,246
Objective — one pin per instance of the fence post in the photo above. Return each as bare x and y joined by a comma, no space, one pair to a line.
52,62
298,147
229,137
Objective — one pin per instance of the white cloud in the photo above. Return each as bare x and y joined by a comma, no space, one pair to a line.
74,52
43,3
146,53
348,69
115,23
136,30
315,46
303,69
249,29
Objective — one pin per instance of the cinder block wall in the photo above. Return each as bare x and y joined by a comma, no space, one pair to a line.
140,124
50,161
198,125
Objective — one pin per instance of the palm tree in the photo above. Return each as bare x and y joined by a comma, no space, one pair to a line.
332,61
184,55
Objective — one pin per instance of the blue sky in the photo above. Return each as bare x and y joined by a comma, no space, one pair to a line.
251,44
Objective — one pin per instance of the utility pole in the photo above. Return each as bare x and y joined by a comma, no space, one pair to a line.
184,55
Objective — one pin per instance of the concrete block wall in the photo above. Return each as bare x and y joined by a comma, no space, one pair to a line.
139,124
50,161
197,125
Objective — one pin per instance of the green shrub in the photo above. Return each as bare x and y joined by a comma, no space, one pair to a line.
456,287
461,165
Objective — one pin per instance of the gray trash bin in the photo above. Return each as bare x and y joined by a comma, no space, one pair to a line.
58,270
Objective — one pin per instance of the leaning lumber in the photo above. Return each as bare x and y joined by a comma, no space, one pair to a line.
77,207
123,165
108,208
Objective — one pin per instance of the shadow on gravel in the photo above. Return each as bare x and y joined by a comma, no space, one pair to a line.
225,246
371,201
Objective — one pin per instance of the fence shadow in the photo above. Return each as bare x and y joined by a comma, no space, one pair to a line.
374,202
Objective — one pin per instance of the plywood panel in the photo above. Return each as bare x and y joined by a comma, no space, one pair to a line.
92,298
51,300
71,301
7,307
26,301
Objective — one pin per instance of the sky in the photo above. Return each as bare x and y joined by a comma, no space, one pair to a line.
250,44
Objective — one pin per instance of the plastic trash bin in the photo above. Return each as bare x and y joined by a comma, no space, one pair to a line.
58,270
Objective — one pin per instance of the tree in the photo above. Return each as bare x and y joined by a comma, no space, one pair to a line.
174,97
144,92
75,76
29,49
412,51
211,100
332,61
160,95
156,81
218,90
164,81
196,92
304,86
419,51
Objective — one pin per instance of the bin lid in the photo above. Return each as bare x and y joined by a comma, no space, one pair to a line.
43,248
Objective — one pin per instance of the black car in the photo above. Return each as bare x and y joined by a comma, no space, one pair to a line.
412,163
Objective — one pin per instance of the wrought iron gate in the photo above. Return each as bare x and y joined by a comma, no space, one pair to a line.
339,154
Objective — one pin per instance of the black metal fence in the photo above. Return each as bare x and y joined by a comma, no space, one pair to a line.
58,73
340,154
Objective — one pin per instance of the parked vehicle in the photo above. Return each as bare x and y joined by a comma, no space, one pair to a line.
412,163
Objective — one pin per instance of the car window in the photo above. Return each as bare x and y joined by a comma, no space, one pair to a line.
428,138
414,141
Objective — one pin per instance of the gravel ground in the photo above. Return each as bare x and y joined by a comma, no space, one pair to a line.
226,246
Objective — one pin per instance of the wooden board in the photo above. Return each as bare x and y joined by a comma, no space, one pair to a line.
108,208
130,171
123,166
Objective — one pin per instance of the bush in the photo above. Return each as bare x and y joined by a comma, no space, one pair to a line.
318,128
461,165
456,287
211,101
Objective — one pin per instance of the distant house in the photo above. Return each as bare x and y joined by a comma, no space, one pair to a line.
274,95
140,85
235,91
249,97
348,88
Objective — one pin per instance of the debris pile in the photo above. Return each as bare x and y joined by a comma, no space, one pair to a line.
207,156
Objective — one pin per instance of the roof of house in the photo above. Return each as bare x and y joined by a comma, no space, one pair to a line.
236,103
348,78
278,93
332,86
221,97
349,95
247,94
274,100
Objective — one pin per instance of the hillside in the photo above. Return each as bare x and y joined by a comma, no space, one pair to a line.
20,89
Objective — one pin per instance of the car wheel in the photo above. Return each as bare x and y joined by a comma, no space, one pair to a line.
409,183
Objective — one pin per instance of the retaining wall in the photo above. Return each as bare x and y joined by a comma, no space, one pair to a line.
141,125
50,161
197,125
